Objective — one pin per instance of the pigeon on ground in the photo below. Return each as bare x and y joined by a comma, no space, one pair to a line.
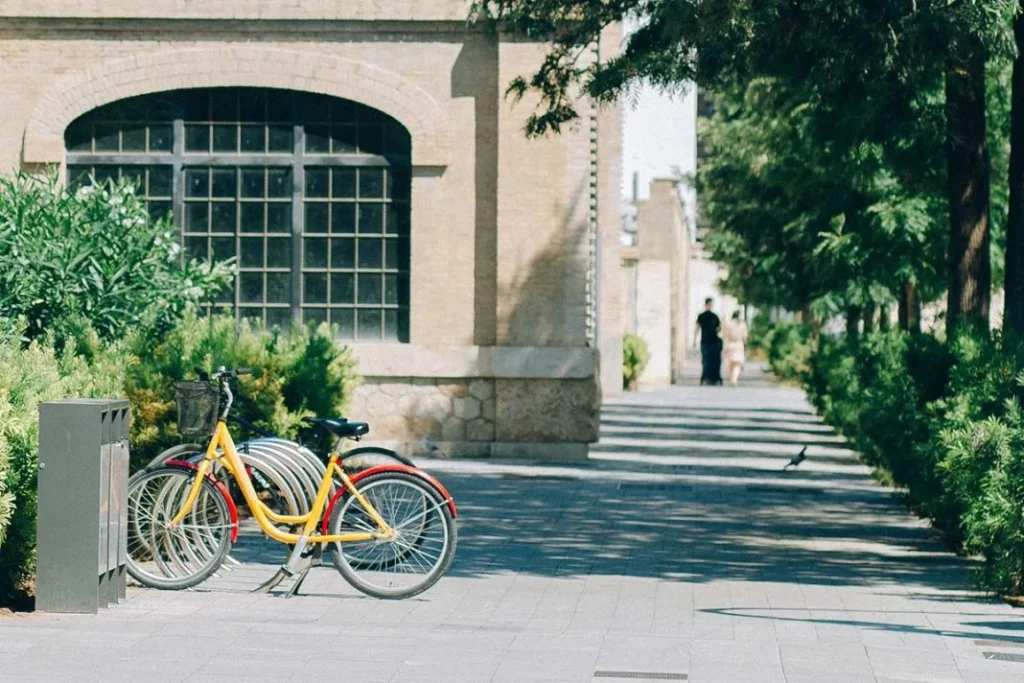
797,459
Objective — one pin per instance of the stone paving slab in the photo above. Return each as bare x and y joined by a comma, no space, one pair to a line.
680,548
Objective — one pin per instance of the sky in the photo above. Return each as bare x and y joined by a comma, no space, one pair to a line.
660,133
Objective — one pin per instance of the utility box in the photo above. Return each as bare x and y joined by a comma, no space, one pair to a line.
82,520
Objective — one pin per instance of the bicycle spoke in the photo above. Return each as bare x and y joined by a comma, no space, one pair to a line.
410,560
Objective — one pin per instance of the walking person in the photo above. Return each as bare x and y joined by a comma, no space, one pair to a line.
735,352
708,327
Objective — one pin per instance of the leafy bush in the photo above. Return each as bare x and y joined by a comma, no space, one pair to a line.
30,375
94,301
761,328
635,356
945,423
984,471
788,346
92,258
300,374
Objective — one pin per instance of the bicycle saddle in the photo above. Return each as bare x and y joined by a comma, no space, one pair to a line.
339,426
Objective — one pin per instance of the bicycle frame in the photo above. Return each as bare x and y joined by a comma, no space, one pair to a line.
266,517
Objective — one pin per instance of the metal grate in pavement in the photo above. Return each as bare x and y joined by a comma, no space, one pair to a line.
1004,657
999,643
642,675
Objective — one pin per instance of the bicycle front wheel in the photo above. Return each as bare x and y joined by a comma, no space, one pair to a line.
419,554
173,558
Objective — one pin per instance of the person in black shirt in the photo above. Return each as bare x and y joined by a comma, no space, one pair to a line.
708,327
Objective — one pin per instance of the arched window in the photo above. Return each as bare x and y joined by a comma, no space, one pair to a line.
309,193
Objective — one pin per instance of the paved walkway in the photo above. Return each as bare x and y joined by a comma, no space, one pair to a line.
681,550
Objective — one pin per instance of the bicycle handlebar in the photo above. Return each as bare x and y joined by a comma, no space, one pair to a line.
222,376
222,373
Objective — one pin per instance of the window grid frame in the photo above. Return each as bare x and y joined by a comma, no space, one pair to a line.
352,307
298,160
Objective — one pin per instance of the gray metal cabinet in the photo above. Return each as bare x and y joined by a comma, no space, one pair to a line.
83,504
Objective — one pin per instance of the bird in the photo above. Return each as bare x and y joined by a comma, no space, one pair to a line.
797,459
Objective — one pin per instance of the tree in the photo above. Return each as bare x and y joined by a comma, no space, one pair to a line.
870,59
1014,315
807,220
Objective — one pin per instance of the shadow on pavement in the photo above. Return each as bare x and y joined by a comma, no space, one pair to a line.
643,507
776,615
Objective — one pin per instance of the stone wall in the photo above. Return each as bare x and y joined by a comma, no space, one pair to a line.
413,409
482,417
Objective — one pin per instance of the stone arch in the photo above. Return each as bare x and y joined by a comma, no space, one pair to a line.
242,66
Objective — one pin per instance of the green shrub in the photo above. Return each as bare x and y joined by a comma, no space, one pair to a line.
984,470
92,258
297,374
635,356
30,375
878,391
789,347
761,327
945,423
294,375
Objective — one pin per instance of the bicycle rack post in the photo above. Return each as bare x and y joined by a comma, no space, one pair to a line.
82,521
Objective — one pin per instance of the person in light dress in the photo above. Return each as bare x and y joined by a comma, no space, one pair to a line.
735,337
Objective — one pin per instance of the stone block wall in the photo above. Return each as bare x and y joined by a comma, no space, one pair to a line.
481,417
439,410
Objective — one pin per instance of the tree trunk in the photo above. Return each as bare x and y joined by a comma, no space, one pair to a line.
869,319
969,169
1013,316
852,322
883,319
909,309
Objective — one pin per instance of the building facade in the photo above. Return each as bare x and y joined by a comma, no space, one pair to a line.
361,163
656,268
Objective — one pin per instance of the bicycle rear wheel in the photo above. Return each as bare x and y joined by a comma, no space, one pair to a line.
418,556
365,457
183,556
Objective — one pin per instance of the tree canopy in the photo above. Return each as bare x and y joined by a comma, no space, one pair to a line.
870,57
854,130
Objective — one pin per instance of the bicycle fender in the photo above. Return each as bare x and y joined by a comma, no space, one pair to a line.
414,471
232,510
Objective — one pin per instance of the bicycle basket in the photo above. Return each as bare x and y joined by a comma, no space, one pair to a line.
198,407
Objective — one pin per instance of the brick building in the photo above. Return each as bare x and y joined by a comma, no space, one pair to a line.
359,160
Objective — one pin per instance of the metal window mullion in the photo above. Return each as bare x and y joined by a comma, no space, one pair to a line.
119,159
178,181
225,158
298,188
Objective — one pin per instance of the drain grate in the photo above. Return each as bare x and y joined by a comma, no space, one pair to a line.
999,643
1004,657
643,675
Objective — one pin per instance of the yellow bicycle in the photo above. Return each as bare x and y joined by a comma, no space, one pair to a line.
390,529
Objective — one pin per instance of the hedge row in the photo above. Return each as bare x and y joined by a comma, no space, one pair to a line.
942,421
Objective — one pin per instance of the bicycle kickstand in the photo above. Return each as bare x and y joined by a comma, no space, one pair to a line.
316,560
272,583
